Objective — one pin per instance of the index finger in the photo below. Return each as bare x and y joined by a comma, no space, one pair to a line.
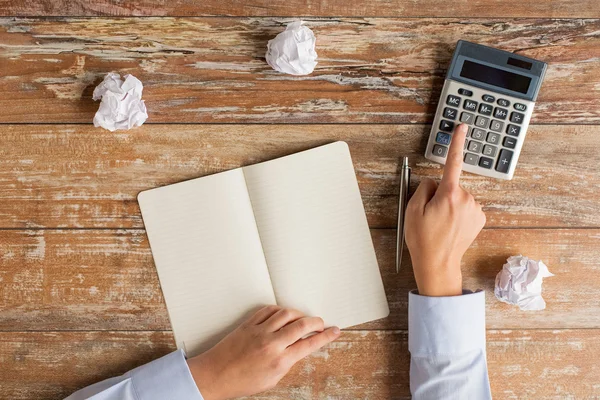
454,161
304,347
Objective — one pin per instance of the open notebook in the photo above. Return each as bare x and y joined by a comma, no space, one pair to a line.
290,231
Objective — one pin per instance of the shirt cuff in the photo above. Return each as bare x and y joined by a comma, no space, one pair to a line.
446,325
165,378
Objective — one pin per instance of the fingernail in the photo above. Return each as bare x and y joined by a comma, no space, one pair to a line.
336,330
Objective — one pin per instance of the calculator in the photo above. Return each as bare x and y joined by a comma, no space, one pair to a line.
493,92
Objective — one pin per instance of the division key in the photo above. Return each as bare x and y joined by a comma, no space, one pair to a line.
504,160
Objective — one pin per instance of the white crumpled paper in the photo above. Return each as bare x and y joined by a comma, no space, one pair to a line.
122,106
520,283
293,50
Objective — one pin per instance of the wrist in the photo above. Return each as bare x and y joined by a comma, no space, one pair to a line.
204,375
439,280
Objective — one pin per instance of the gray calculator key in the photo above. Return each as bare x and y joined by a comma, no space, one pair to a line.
478,134
475,147
482,122
466,144
489,150
453,101
503,102
496,126
504,160
513,130
450,113
501,113
467,118
489,98
485,109
446,126
509,142
493,138
471,159
516,117
439,150
485,162
470,105
520,107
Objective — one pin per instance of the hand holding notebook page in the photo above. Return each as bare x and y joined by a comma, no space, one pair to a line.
290,231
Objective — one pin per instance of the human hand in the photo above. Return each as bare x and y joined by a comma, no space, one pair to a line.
255,356
441,223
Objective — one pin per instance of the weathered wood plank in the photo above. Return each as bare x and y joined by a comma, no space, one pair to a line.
52,365
336,8
555,364
78,176
103,280
78,280
213,69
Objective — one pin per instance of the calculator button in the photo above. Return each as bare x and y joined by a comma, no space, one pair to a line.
493,138
485,162
496,126
509,142
475,147
443,138
485,109
467,118
450,113
482,122
446,126
504,161
513,130
488,98
470,105
503,102
453,100
466,143
440,151
500,113
489,150
471,159
520,107
516,117
478,134
465,92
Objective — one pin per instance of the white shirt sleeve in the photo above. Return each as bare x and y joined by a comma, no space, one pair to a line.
167,378
446,340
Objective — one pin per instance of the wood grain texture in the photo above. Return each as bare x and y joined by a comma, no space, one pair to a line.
213,69
78,176
81,305
359,365
375,8
52,365
105,280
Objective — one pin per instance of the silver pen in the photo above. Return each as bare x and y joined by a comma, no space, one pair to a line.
403,199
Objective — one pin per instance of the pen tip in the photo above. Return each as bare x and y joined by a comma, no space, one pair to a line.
405,161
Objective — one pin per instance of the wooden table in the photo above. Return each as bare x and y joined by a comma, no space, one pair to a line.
80,299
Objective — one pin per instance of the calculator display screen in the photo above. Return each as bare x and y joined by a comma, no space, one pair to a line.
495,77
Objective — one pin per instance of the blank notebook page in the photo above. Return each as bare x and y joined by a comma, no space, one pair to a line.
315,236
208,256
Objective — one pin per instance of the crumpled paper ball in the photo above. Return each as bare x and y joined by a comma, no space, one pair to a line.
293,50
520,283
122,106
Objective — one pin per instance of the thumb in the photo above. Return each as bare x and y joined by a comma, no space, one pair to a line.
423,195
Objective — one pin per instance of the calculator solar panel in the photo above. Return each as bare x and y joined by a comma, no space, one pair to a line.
494,93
